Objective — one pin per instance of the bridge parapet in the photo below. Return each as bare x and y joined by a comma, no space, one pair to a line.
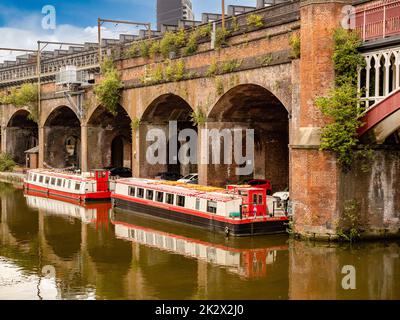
378,19
380,76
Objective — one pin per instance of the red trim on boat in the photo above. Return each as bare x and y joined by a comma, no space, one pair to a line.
194,212
70,195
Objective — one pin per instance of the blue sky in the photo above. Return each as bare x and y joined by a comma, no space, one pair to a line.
20,20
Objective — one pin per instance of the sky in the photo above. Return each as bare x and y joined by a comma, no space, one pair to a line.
76,20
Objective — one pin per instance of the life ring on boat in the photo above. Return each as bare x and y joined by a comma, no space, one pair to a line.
227,231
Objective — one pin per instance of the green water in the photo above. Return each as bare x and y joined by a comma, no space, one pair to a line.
99,254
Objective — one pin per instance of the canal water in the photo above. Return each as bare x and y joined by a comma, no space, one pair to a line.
55,250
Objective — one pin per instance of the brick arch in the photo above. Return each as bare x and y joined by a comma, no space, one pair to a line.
240,94
89,115
102,128
53,112
165,104
16,112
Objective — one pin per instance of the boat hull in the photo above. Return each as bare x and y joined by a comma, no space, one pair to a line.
87,197
247,228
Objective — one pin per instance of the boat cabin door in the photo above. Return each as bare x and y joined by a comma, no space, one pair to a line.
102,177
254,203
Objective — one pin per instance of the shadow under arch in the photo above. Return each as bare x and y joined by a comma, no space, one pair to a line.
103,128
21,135
61,128
160,114
251,106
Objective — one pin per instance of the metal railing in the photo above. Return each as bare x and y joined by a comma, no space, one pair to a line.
378,19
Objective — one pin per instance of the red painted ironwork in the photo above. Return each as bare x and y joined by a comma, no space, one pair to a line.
380,111
378,19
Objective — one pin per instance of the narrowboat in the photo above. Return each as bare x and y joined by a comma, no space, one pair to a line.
237,211
83,187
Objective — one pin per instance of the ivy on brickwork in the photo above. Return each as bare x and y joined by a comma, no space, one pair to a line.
24,96
294,42
349,224
108,91
342,103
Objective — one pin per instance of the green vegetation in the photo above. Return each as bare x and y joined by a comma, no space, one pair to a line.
154,49
144,49
108,91
225,67
295,43
171,71
235,25
349,224
135,124
342,103
171,41
24,96
230,66
265,60
7,164
219,86
198,117
220,38
255,20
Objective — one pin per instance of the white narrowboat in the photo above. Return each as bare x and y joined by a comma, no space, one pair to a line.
241,211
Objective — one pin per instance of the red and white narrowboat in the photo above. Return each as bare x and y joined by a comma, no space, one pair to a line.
84,187
239,211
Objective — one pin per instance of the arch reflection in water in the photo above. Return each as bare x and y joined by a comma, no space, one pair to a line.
248,262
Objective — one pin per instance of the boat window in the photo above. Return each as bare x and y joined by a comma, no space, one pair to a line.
212,206
34,177
197,204
41,179
254,198
160,196
47,180
180,201
77,186
140,193
149,194
169,198
53,181
69,184
30,177
59,182
64,183
260,199
131,191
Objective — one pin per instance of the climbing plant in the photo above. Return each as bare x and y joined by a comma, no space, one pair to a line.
349,224
6,162
341,104
108,91
198,117
24,96
294,42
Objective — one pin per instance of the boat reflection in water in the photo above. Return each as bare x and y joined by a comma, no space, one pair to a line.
96,213
239,256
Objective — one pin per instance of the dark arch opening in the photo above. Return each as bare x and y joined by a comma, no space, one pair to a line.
22,135
110,139
253,107
62,128
160,114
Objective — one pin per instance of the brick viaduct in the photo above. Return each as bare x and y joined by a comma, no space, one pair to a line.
271,92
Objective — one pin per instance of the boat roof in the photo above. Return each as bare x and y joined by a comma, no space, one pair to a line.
197,191
84,176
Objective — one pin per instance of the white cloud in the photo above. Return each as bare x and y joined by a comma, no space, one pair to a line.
26,33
